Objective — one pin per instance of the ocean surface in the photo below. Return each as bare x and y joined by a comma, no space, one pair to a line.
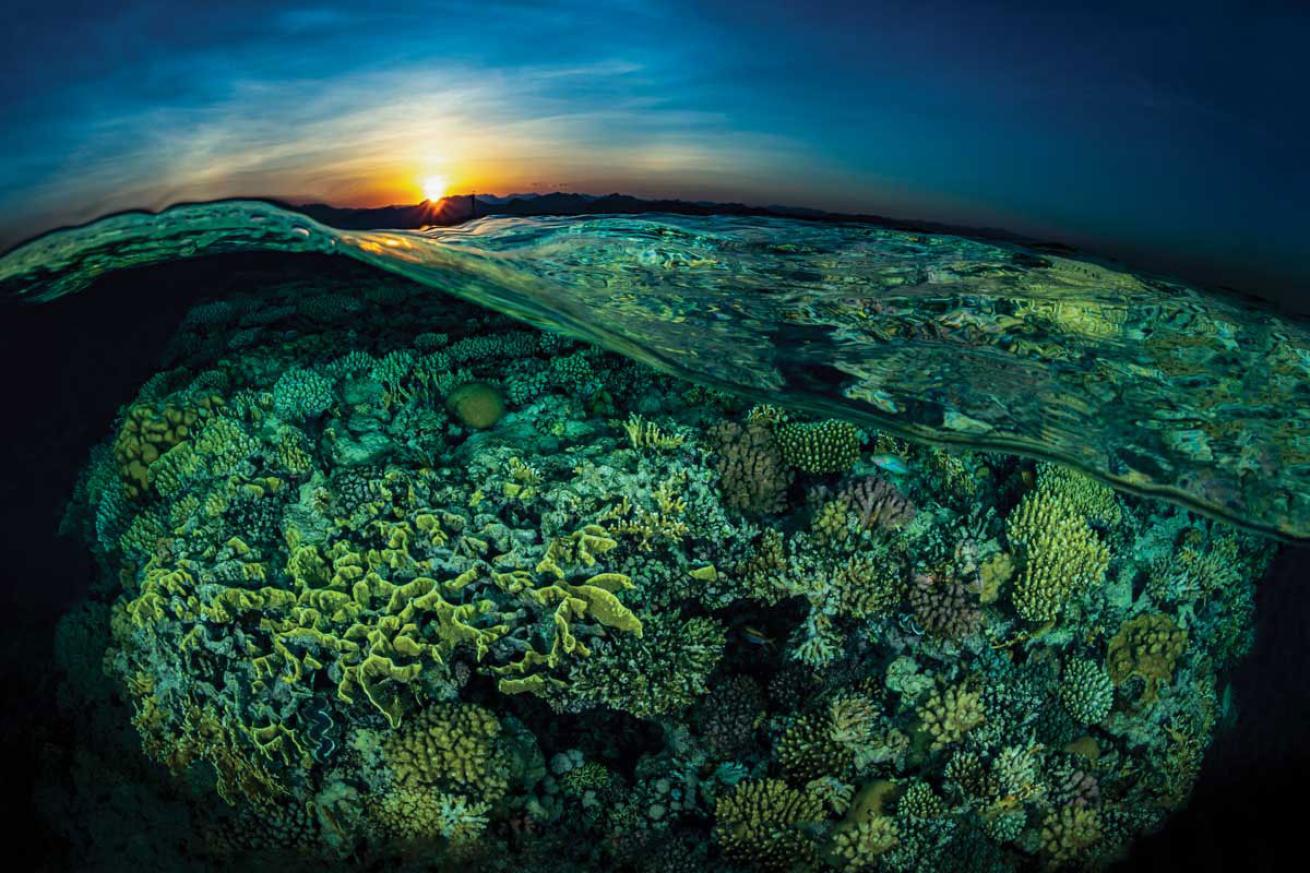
644,542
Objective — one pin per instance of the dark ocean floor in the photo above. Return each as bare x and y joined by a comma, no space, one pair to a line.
68,366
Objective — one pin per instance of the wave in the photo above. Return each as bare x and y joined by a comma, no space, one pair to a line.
1152,386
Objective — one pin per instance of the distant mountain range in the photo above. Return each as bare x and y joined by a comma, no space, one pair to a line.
460,208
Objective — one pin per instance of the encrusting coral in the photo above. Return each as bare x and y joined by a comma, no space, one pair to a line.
389,579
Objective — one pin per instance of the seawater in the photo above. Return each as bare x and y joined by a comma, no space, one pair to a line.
663,543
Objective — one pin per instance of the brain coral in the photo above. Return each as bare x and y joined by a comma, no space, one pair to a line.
477,404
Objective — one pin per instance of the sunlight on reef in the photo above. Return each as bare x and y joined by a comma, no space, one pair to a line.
390,577
1149,385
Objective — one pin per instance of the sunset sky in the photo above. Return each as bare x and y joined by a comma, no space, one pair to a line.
1176,138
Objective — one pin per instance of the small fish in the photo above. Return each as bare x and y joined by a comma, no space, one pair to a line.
756,637
893,464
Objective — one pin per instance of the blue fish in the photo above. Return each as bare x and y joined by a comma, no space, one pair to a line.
893,464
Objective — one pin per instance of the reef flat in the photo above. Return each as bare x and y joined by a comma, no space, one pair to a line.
392,581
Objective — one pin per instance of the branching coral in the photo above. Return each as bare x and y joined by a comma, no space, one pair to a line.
662,671
1061,555
1082,494
1086,691
301,394
876,503
829,446
859,846
328,590
750,465
1069,834
950,714
944,606
454,747
809,750
762,824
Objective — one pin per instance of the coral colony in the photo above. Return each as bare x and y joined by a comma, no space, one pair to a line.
391,579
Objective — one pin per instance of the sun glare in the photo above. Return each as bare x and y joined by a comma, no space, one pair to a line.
434,187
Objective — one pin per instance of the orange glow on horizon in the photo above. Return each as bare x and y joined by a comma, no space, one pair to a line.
434,188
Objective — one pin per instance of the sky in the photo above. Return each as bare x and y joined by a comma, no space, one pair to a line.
1172,138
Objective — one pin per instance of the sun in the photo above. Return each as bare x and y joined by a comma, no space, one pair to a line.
434,187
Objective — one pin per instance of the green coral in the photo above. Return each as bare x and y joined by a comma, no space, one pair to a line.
351,629
761,824
829,446
1061,555
1086,691
662,671
302,394
1082,494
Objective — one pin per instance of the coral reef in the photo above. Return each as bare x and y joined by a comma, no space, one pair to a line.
389,580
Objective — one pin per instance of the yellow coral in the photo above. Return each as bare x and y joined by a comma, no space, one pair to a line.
1061,555
451,747
761,824
949,715
147,433
1146,647
1069,833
